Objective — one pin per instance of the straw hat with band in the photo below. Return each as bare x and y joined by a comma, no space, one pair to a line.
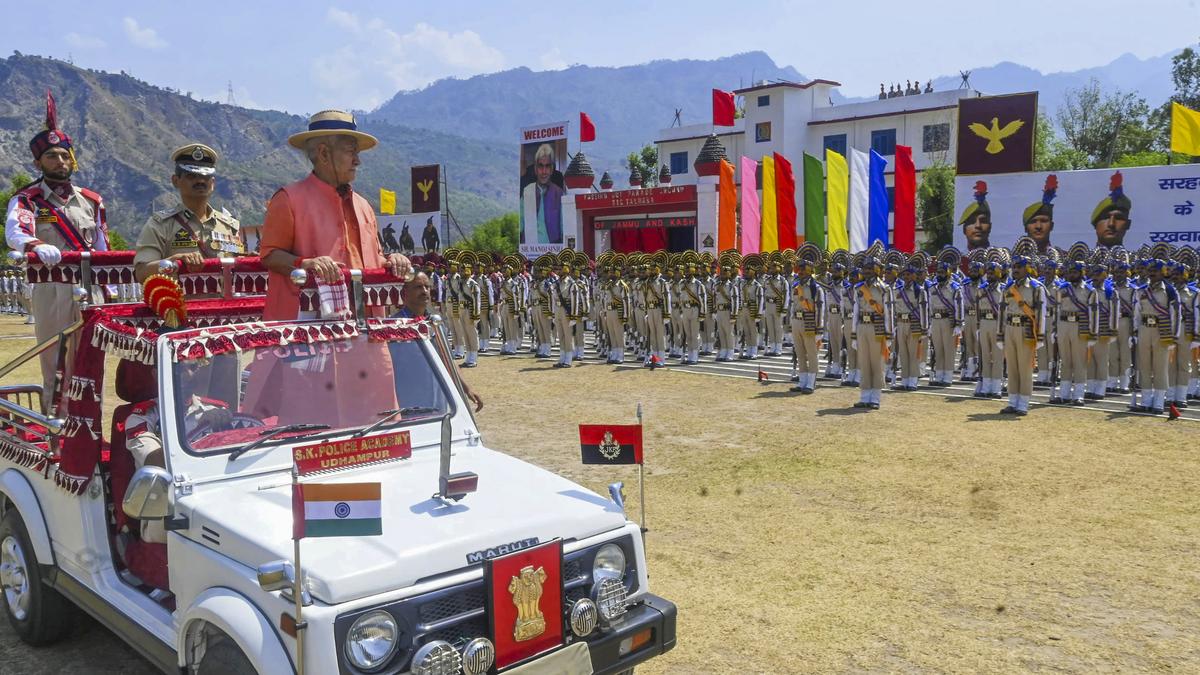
333,123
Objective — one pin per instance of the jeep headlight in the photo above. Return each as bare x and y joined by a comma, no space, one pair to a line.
609,563
371,640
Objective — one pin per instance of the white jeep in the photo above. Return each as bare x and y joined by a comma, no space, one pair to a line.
189,556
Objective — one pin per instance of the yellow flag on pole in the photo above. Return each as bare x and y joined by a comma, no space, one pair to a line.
1185,130
770,218
387,201
837,194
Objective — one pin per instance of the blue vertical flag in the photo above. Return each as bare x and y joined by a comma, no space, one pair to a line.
877,219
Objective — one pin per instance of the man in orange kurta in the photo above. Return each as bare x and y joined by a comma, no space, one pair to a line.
319,224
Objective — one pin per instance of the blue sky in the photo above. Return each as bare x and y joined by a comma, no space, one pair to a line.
303,56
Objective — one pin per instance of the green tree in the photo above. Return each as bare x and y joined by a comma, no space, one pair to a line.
498,235
646,161
935,205
1185,73
117,241
1051,153
1103,126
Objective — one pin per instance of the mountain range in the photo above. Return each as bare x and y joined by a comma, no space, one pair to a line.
125,128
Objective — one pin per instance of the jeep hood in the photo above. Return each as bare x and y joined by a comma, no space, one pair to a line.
422,537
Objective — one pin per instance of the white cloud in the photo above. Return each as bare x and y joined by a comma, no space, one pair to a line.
377,60
146,38
85,41
553,60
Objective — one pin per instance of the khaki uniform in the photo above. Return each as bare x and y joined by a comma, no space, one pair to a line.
775,302
912,324
726,307
617,301
988,299
1077,327
1157,317
1023,315
874,324
512,306
1181,373
1120,360
472,311
566,309
178,230
945,326
657,294
1106,333
807,325
54,307
970,333
834,293
753,307
543,310
1047,352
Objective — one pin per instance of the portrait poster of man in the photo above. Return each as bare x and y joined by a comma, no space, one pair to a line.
402,233
543,159
1100,207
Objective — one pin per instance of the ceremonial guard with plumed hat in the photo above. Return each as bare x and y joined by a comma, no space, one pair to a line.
727,304
835,294
659,304
874,322
1023,317
1182,371
912,323
1077,324
1047,352
47,217
543,304
945,316
512,304
987,308
693,301
1158,318
807,317
471,294
1120,362
775,303
1106,325
753,304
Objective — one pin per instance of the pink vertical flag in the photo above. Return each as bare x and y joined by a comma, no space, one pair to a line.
751,218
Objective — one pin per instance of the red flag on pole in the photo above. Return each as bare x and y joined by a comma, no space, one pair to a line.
723,109
587,129
611,443
785,202
904,236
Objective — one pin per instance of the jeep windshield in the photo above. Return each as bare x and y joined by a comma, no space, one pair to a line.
273,394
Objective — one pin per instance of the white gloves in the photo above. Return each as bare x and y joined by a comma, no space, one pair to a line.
1041,344
48,253
957,331
854,344
999,344
1091,343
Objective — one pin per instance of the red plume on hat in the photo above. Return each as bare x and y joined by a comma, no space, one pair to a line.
51,136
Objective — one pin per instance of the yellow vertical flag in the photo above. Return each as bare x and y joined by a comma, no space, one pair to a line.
1185,130
387,201
837,195
770,217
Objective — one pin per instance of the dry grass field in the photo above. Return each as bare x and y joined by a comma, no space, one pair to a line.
799,535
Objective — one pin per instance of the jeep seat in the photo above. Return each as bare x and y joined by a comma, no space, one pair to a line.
135,383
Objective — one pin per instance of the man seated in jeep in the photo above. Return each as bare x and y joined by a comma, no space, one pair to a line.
142,431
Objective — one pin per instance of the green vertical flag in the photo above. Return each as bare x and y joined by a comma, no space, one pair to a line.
814,201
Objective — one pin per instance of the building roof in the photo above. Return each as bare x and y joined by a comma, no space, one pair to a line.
791,85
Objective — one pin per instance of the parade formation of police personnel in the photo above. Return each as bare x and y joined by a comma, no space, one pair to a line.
191,229
47,217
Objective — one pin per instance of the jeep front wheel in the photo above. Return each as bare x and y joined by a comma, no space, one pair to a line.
222,657
38,614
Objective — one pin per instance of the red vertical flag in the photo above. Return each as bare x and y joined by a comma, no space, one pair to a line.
726,209
904,236
587,129
723,108
785,202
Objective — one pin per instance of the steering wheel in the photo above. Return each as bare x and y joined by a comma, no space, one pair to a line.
237,420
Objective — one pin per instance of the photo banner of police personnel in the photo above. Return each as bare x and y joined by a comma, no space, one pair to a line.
543,160
1106,207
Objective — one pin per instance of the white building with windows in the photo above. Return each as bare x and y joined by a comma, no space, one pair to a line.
793,119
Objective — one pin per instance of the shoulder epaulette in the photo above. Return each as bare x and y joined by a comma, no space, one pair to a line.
163,214
91,196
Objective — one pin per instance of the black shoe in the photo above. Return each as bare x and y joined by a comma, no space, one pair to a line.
806,390
862,404
562,365
1137,408
848,383
1089,396
1077,402
468,365
1021,413
794,378
1008,410
873,406
1155,411
1182,405
980,394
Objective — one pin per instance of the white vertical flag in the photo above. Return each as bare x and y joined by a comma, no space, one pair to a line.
858,217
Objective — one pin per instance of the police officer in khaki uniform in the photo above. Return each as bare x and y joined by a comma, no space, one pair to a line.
191,229
1022,320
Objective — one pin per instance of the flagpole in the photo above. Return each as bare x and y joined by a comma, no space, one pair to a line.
642,474
297,590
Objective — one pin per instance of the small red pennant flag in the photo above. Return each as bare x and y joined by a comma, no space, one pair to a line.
587,129
1173,413
762,376
655,362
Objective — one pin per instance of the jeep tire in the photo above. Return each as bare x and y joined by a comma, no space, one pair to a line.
38,614
223,657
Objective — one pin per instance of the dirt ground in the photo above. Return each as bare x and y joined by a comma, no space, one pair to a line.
797,534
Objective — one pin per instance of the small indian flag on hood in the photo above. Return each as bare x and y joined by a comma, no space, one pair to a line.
336,510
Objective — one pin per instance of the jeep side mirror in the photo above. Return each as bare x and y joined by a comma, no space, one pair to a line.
148,494
276,575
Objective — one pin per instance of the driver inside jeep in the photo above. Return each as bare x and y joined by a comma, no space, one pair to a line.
142,429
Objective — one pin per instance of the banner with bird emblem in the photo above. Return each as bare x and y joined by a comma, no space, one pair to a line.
426,188
995,133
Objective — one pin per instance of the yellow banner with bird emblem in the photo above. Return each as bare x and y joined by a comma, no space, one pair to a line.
995,133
